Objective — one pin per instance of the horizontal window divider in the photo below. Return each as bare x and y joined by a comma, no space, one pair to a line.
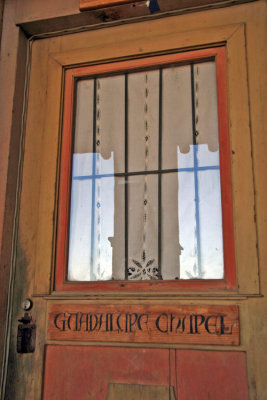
152,172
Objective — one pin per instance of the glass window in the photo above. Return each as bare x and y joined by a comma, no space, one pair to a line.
145,189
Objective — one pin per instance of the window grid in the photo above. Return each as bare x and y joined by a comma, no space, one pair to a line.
195,169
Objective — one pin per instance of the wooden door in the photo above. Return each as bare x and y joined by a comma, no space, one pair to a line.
152,366
143,373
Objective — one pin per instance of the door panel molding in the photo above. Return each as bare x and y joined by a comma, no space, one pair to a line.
124,43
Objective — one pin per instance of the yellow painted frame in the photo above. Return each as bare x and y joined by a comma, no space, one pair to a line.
120,43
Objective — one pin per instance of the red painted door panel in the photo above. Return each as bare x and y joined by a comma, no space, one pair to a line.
84,372
211,375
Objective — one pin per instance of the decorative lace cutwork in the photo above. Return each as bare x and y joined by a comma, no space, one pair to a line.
143,271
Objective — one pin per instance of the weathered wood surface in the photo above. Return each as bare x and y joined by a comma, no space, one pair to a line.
117,391
144,323
159,5
87,372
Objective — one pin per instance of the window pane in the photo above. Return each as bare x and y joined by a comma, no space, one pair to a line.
177,114
145,197
210,226
110,127
80,230
205,96
83,142
170,235
199,205
143,227
143,118
92,220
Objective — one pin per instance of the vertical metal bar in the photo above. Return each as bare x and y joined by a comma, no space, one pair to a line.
159,175
197,211
94,115
126,173
193,104
195,147
93,188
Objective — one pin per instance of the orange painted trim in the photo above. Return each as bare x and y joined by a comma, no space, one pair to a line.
94,4
225,168
229,281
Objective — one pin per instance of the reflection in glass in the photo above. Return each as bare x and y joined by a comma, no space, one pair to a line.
90,252
145,194
200,214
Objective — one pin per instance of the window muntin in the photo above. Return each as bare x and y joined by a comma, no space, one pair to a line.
195,57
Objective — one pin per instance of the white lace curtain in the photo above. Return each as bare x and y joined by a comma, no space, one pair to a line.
145,198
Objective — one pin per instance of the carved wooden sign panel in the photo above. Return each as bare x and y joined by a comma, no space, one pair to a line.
144,323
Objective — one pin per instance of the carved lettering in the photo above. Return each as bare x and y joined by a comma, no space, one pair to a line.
62,321
209,324
139,321
176,325
130,322
162,323
225,330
